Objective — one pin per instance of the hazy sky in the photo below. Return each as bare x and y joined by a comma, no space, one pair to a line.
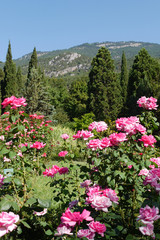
58,24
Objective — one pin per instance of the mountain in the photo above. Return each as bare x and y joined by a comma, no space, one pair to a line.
77,60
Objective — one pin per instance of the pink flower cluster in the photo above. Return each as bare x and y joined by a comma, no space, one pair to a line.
70,219
65,136
147,216
98,126
14,102
38,145
156,160
153,178
62,153
55,169
83,134
101,199
147,103
7,222
148,140
130,125
113,140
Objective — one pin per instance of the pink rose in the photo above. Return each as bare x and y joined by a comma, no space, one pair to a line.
7,222
40,213
65,136
62,154
99,126
144,172
86,183
101,203
1,180
63,170
116,138
148,140
86,233
74,218
148,214
147,230
147,103
94,144
63,229
97,227
38,145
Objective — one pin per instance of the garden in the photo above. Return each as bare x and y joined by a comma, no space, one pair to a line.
95,183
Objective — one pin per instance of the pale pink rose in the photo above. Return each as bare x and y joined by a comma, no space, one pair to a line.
1,180
38,145
40,213
101,203
116,138
5,159
97,227
7,222
101,126
144,172
20,153
9,143
63,170
86,233
63,229
86,183
147,230
148,214
147,103
148,140
2,137
156,160
74,218
94,144
62,154
111,194
65,136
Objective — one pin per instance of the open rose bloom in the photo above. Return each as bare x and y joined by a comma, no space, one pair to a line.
148,103
7,222
14,102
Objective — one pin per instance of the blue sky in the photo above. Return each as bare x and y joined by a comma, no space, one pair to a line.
59,24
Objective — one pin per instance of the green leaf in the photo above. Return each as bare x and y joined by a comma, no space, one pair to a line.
48,232
15,206
31,201
12,154
44,202
25,224
5,205
130,237
4,151
17,181
23,149
7,180
97,161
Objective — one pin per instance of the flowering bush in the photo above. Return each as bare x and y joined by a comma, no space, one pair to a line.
112,194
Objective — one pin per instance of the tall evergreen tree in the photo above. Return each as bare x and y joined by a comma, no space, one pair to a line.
143,79
20,82
9,84
33,63
1,79
76,103
103,87
124,78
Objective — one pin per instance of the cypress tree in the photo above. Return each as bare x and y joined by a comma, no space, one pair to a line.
20,82
143,78
9,84
124,78
103,87
33,62
1,79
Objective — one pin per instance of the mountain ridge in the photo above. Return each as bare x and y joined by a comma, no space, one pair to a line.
77,59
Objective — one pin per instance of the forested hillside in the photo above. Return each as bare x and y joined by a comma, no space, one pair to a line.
71,85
